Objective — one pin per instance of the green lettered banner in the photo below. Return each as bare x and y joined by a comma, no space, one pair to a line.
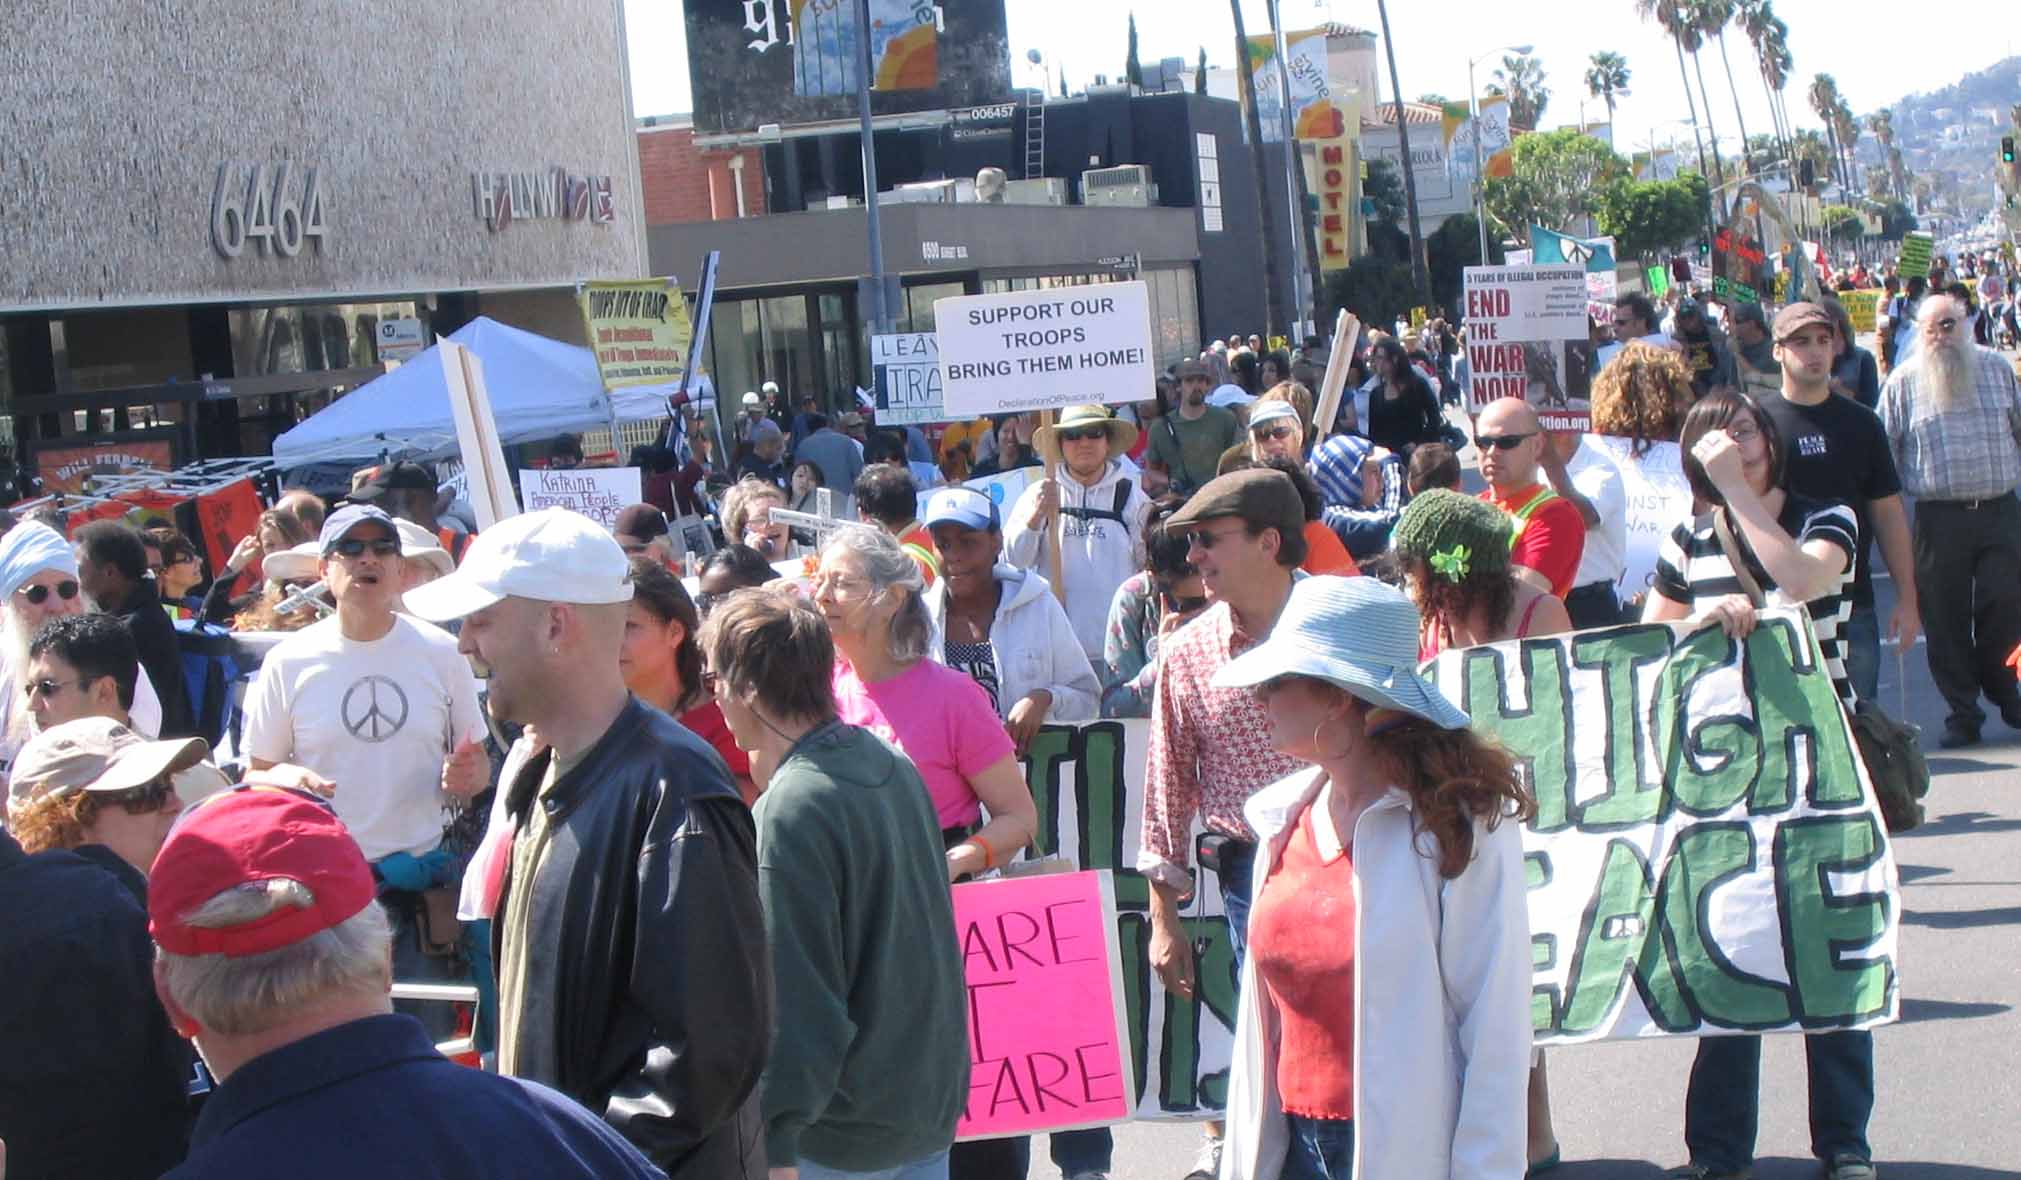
1707,856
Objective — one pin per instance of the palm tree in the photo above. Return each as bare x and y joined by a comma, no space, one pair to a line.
1274,311
1882,124
1758,20
1667,16
1418,278
1898,173
1606,76
1824,102
1691,35
1521,77
1809,144
1848,129
1713,17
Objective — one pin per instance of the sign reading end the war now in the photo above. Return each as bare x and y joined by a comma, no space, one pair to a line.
1041,350
1707,855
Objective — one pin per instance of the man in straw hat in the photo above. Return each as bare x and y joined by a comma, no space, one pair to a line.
1099,512
273,959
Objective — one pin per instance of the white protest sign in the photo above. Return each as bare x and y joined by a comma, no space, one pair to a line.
599,493
1005,487
906,370
1518,319
1041,350
476,434
1659,499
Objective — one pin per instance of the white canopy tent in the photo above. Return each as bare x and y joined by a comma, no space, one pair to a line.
539,388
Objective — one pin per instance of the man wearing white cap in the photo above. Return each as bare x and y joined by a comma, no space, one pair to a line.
620,869
382,705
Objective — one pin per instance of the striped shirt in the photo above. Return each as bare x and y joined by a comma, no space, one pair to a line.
1968,452
1692,569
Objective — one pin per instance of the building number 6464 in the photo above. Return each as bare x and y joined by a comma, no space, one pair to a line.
253,203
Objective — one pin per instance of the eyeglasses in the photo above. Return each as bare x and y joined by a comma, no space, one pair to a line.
1503,442
37,595
1947,324
1270,433
378,546
1207,539
1743,432
141,800
1085,434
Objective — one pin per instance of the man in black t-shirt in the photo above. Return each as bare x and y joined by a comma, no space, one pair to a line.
1837,451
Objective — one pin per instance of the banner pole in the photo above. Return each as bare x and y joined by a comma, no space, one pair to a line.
1058,528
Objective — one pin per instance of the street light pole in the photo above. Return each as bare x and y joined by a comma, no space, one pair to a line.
1474,133
880,309
1295,224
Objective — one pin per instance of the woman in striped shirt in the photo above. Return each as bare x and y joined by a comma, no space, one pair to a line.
1799,550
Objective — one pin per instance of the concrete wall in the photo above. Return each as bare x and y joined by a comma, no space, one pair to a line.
116,117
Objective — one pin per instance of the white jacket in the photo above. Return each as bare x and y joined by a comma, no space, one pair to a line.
1098,554
1441,1004
1035,646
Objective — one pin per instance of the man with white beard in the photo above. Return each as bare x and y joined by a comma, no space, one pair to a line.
1953,417
38,582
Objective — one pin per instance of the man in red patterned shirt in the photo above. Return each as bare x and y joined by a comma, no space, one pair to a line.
1210,746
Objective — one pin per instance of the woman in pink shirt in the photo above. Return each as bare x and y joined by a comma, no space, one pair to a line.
868,588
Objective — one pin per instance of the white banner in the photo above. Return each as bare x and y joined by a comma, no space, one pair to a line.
1522,323
1041,350
1707,856
1659,499
599,493
906,377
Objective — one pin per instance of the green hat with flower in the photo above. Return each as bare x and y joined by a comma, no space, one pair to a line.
1455,535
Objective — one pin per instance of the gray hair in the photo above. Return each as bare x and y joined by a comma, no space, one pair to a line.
889,567
252,993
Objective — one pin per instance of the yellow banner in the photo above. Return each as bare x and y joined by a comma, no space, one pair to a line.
638,329
1863,307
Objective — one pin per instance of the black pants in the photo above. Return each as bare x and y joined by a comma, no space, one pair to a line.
1968,591
1593,605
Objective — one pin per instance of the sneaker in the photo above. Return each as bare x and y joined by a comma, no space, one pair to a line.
1207,1165
1701,1172
1957,736
1849,1167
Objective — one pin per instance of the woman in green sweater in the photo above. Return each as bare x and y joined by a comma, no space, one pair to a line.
869,1062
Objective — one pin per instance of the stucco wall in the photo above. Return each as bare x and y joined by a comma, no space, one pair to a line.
115,117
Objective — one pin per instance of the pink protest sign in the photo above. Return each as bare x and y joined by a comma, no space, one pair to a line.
1046,1039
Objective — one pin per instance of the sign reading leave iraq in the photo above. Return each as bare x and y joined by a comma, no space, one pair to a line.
1707,856
1047,1039
906,374
599,493
1041,350
1526,338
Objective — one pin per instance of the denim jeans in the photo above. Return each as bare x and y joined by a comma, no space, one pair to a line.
1862,636
1237,864
933,1167
1321,1149
1722,1107
1076,1152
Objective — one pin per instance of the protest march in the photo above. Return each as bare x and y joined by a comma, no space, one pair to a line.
895,626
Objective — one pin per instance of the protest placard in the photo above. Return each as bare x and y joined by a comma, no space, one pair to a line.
1864,308
1917,247
1527,338
906,375
1659,282
1044,349
1048,1044
1707,856
638,330
599,493
1005,487
485,477
1658,497
1595,254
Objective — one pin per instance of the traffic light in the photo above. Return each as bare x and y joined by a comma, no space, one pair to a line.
1806,173
1704,250
2006,149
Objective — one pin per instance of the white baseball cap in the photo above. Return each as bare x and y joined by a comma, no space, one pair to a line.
553,555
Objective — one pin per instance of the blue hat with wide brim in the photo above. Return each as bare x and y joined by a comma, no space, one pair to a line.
1356,633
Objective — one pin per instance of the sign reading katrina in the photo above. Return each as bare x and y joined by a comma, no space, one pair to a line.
748,65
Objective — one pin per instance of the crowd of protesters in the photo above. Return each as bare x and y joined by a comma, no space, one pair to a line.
689,820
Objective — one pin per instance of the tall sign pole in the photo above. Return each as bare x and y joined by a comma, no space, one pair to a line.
880,311
1295,224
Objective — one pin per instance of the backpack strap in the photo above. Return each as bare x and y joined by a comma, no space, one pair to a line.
1115,513
1522,515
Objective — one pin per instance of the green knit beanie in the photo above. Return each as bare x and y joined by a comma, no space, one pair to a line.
1454,534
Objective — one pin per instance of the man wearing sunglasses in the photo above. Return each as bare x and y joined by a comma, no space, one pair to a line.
381,704
1550,527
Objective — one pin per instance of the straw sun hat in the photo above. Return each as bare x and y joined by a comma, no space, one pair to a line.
1122,435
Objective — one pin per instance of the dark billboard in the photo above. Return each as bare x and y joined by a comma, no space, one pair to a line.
749,66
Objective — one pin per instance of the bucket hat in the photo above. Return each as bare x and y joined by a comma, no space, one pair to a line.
1357,634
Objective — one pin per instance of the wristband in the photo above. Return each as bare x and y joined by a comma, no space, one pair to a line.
988,857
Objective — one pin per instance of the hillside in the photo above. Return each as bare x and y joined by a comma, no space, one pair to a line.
1951,137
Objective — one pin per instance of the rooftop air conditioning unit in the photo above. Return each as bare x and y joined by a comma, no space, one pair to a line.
843,203
1048,190
929,192
1126,185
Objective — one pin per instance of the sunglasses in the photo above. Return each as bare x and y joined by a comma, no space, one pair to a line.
1270,433
1207,540
37,595
1085,434
49,688
378,546
141,800
1503,442
1947,324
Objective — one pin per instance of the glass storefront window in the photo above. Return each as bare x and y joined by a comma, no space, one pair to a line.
919,304
312,338
840,357
1175,313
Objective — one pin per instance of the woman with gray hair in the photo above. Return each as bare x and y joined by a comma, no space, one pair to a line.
869,590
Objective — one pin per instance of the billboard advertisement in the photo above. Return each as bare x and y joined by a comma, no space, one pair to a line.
1313,111
754,62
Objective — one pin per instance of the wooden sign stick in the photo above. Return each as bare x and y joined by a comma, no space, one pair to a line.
1346,333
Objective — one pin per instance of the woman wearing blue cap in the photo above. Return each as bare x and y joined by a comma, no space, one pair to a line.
1384,1029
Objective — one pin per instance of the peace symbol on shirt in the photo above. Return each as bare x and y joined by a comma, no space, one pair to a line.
374,709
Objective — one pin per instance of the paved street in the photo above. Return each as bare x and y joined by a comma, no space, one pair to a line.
1949,1105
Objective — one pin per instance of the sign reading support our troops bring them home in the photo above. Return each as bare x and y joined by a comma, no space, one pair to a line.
1044,349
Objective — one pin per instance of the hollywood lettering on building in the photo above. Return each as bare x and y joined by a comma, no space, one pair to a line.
555,194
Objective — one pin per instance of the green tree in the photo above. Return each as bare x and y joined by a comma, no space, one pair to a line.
1897,219
1437,100
1521,77
1133,69
1555,177
1376,291
1841,222
1453,247
1383,187
1649,218
1200,73
1607,76
1678,20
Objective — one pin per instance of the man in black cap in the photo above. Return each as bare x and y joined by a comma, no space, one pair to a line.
1754,351
1705,351
408,491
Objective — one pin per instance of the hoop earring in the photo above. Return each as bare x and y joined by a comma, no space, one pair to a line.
1322,753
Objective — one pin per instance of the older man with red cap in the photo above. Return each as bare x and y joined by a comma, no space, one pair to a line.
274,960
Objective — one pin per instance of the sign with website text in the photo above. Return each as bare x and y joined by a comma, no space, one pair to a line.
599,493
905,371
1707,856
1047,1039
638,330
1659,499
1044,349
1527,338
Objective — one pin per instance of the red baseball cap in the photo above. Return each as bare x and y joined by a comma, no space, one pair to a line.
254,834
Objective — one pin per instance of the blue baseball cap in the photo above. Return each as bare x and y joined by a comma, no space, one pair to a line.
963,506
349,517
